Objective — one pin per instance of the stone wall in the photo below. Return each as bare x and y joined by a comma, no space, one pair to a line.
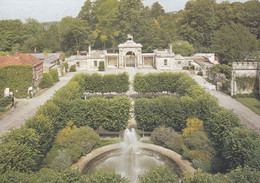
245,69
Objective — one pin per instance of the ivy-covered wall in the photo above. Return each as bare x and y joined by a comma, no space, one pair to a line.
245,78
16,77
246,83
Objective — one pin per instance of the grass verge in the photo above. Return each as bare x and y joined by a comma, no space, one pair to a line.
251,103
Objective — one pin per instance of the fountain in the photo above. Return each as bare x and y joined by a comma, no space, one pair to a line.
131,162
131,158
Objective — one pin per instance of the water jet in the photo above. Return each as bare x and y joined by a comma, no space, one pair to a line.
131,158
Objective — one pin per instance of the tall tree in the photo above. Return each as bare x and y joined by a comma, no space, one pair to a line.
11,33
107,27
157,10
75,34
234,43
86,12
197,23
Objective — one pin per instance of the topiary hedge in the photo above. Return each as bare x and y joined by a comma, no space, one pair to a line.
111,114
162,82
96,83
55,75
101,66
16,77
46,81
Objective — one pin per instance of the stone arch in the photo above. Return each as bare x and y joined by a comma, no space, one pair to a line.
130,46
130,59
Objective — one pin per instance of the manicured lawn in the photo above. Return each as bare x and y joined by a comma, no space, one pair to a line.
251,103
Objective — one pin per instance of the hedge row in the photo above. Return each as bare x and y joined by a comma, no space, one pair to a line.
162,82
171,111
111,114
96,83
16,77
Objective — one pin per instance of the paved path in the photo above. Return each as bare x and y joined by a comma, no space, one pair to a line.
26,108
247,116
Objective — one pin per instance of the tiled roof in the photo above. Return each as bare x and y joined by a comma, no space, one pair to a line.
19,59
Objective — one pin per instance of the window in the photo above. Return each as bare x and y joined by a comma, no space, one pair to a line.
179,62
77,64
95,63
165,62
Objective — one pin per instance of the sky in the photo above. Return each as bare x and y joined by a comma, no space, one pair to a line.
55,10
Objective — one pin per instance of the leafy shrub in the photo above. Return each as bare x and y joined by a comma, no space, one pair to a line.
159,175
219,124
200,73
101,66
14,177
200,177
71,143
66,65
44,128
222,68
46,81
73,68
168,138
105,177
245,174
51,111
19,151
16,77
55,75
192,125
62,161
241,147
199,141
69,92
5,101
50,175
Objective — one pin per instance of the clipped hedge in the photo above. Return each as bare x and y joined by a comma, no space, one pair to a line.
111,114
162,82
16,77
55,75
96,83
46,81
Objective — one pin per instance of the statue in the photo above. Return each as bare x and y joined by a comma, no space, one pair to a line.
130,37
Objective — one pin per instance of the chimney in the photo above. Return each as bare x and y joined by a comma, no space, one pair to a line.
35,51
45,56
77,53
89,49
170,48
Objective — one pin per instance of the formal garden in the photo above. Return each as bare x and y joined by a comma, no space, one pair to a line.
188,121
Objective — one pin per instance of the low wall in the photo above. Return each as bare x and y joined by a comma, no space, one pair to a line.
170,157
